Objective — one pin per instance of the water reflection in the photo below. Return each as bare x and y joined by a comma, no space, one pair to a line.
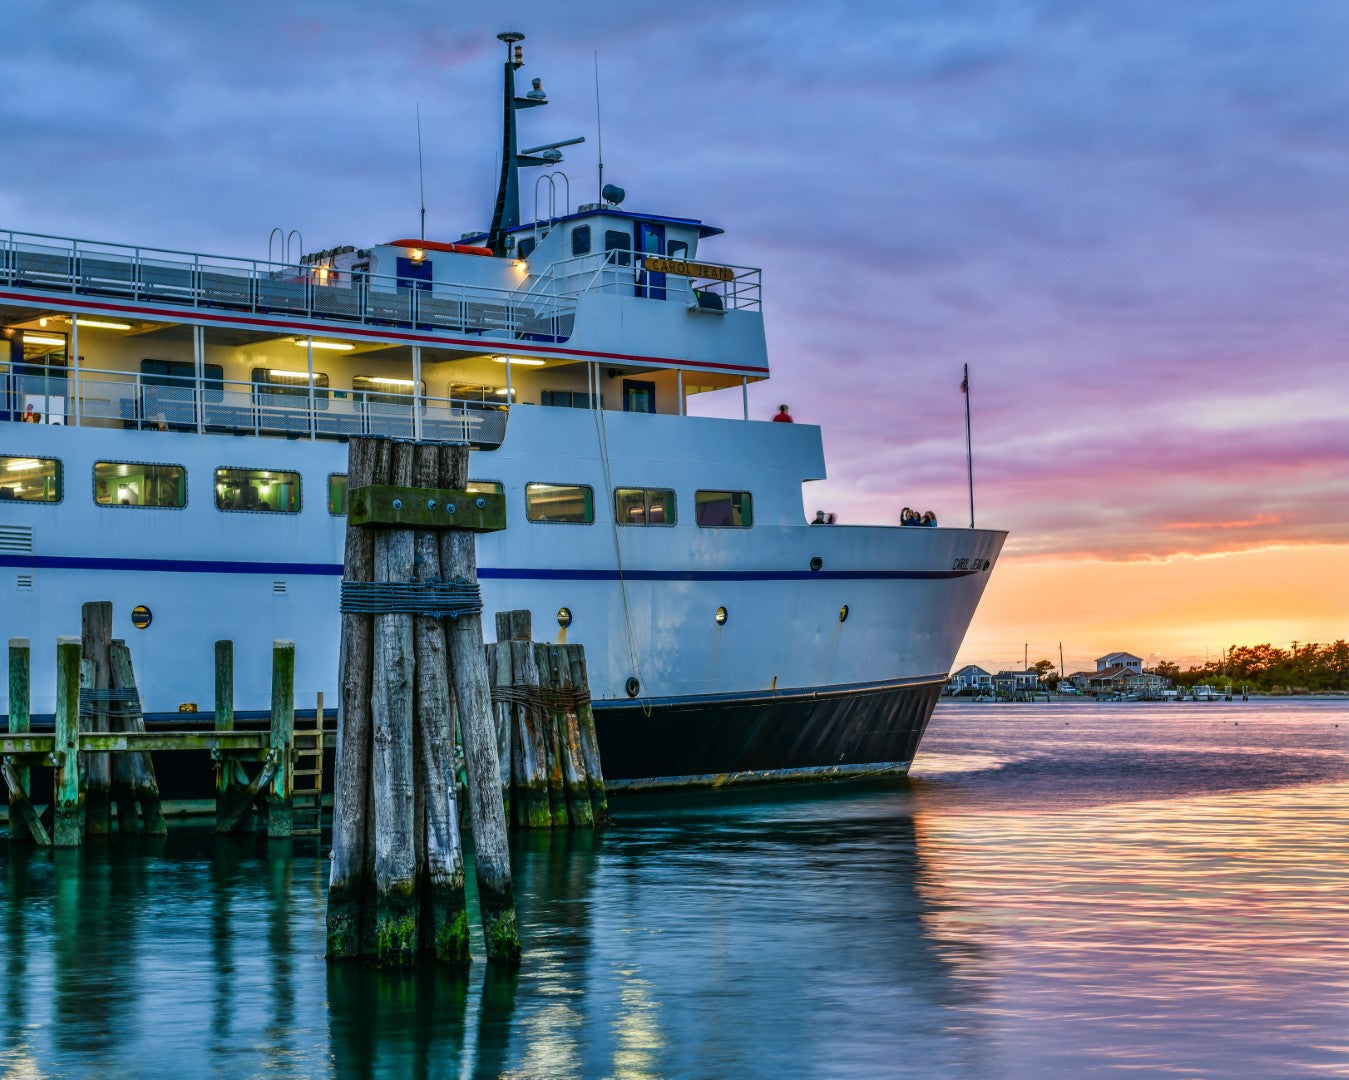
1036,900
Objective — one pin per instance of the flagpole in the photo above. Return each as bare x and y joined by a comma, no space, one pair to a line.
969,446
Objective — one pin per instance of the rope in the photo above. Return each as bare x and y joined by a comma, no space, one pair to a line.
541,699
439,599
94,701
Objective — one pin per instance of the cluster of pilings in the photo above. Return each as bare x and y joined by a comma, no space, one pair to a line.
412,658
550,757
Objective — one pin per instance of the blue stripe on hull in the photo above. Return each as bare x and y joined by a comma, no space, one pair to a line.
209,566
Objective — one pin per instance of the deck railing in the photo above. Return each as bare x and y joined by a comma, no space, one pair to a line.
620,271
119,399
186,279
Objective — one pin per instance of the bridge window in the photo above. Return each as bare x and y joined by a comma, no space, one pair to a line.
724,509
644,506
337,494
621,244
574,399
27,479
677,249
380,390
580,240
526,249
129,483
258,489
573,503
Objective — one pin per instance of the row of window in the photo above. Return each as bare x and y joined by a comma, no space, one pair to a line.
128,483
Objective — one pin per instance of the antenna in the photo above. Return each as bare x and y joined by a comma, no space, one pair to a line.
599,130
421,175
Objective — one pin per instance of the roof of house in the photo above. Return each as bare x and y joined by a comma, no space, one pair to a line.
1112,672
970,668
1117,656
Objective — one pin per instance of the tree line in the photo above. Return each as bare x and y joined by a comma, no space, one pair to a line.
1303,668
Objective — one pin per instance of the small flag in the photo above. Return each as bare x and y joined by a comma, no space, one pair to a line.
965,382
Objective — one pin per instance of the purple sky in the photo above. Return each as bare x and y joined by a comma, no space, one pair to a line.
1130,218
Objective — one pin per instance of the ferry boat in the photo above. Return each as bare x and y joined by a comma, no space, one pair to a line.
172,438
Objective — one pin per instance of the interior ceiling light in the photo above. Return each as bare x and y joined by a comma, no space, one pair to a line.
288,374
338,346
387,382
523,361
43,339
101,324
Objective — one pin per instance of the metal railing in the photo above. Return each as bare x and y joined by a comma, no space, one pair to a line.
180,278
621,271
119,399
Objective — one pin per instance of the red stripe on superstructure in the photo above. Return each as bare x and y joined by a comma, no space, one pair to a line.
344,330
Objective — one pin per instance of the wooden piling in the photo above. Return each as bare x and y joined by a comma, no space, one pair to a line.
444,912
529,749
280,810
231,780
391,710
95,634
67,795
590,746
496,899
351,879
19,777
553,750
581,814
138,769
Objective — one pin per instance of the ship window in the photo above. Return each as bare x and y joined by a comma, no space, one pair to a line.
257,489
580,240
129,483
183,373
379,390
337,494
526,249
28,479
644,506
484,487
560,502
677,249
271,383
621,244
724,509
574,399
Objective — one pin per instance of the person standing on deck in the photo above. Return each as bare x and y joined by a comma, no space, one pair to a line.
783,416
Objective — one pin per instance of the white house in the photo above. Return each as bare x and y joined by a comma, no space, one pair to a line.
1121,660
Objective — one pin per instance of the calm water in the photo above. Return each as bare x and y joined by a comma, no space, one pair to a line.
1080,890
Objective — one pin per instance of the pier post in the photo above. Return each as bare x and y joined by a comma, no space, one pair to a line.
547,724
530,749
231,781
580,813
66,793
351,879
396,937
282,740
20,697
496,897
590,744
95,634
139,769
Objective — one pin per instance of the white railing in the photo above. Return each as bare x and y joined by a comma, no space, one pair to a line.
622,271
180,278
122,399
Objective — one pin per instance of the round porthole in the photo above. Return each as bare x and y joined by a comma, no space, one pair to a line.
721,616
843,613
564,617
632,686
141,617
816,563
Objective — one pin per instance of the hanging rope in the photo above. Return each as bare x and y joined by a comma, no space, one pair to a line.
540,700
94,701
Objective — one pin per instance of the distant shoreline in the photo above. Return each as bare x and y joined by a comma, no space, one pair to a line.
1056,699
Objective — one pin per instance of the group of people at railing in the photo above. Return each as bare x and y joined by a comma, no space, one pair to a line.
913,517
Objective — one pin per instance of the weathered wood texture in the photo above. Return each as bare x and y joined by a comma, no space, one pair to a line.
280,809
547,723
19,777
580,813
530,749
590,745
426,506
231,779
67,793
496,898
351,879
95,634
396,936
136,767
440,853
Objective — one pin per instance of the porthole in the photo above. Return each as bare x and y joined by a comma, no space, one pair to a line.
843,613
564,617
721,616
141,617
816,563
632,686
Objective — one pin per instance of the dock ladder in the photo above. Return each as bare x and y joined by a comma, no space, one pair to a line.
308,791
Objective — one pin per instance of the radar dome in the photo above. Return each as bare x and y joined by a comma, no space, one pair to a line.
612,193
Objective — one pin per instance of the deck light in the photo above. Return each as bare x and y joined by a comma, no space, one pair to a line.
521,266
523,361
418,255
339,346
43,339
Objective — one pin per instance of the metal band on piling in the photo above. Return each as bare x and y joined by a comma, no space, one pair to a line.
438,599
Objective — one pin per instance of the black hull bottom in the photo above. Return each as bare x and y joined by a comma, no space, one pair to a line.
861,731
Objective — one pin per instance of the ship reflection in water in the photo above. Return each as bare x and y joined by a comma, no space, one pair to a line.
1074,889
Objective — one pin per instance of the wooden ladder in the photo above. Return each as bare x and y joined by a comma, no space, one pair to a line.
308,792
